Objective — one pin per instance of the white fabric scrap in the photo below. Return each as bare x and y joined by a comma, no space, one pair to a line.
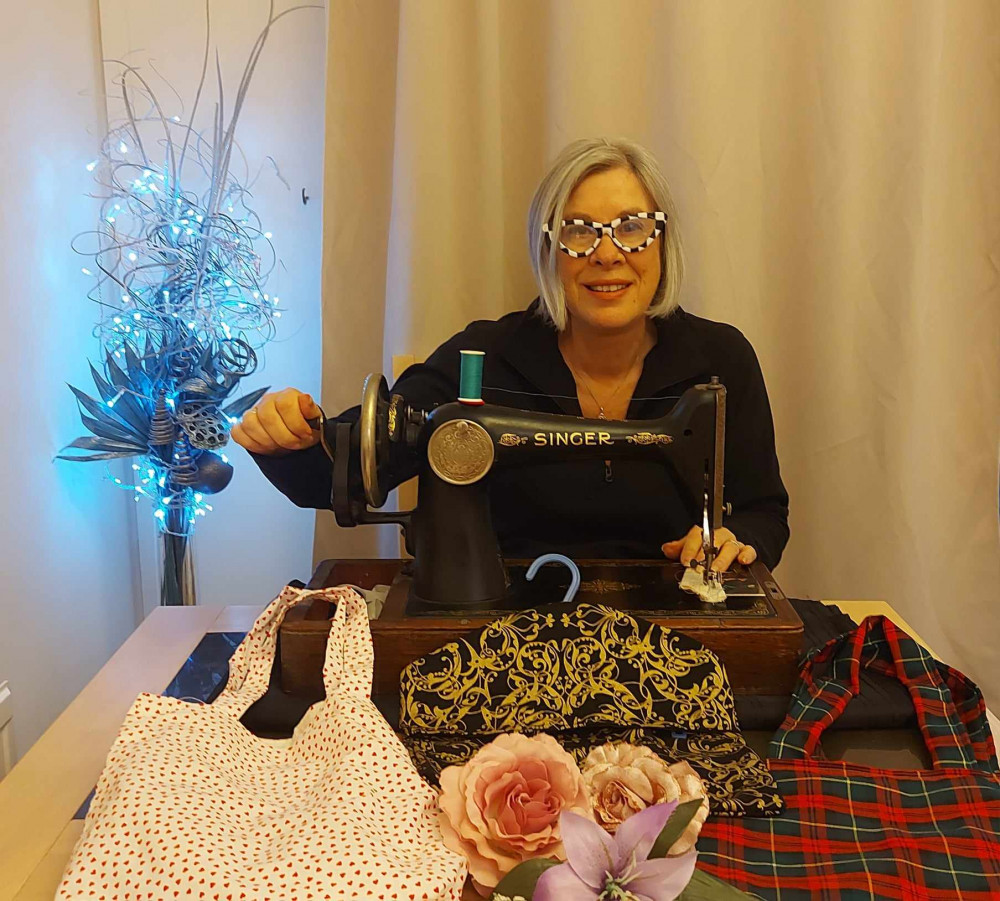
694,582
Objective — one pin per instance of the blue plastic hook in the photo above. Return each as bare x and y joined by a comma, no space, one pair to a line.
574,584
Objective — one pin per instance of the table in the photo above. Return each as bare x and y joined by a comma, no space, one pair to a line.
45,789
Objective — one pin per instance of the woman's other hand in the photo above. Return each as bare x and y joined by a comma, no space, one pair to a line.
729,548
277,425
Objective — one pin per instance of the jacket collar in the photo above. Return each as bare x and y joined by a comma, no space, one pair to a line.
532,349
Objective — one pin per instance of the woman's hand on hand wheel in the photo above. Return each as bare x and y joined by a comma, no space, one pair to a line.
277,424
729,549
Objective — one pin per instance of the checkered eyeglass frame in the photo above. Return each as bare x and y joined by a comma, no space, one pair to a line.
608,228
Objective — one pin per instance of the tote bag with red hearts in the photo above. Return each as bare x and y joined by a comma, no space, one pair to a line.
192,805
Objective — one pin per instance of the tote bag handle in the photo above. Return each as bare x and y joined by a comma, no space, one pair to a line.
880,645
348,660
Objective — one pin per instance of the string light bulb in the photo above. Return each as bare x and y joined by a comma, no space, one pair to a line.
190,282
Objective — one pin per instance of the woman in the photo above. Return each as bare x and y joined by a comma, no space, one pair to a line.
605,339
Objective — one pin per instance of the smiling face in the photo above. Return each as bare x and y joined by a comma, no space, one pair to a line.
610,290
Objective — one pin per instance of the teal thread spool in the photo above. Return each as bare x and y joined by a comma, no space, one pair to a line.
470,380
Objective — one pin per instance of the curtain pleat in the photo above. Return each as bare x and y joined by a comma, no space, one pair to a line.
836,167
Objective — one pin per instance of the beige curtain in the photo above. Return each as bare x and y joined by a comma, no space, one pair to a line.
837,172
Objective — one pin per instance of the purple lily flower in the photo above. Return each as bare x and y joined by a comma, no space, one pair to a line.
602,867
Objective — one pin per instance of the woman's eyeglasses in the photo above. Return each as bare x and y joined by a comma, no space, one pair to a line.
631,233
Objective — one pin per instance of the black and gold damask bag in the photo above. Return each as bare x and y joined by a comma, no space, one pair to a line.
586,675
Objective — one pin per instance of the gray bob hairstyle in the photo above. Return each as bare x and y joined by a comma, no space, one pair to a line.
576,162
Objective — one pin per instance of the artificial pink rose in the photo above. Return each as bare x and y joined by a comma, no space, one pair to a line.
503,806
623,779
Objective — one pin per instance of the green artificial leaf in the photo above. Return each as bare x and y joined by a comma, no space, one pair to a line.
239,406
522,879
678,822
705,887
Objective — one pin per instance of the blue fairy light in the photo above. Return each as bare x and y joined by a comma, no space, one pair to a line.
191,320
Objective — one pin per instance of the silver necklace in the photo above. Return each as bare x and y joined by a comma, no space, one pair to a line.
601,414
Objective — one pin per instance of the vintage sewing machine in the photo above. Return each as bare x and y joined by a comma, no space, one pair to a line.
457,579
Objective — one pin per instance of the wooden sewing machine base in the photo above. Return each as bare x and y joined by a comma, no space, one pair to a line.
756,633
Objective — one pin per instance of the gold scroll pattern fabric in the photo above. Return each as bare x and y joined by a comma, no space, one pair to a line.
586,675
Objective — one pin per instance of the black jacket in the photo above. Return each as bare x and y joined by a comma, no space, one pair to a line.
571,507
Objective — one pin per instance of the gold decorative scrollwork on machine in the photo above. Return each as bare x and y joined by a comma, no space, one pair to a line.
393,414
646,438
509,440
604,586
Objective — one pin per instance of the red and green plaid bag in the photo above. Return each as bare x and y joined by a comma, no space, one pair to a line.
854,832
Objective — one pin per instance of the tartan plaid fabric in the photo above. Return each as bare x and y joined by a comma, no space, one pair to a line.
855,832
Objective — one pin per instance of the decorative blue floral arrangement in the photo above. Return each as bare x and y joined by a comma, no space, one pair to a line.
181,264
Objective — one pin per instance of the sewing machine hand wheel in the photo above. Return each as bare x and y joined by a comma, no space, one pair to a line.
374,428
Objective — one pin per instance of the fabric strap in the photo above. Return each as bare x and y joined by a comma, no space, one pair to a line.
348,663
830,678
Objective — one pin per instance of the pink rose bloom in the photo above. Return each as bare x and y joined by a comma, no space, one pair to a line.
623,779
503,806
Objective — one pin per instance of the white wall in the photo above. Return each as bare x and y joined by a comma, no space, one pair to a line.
255,540
66,547
70,543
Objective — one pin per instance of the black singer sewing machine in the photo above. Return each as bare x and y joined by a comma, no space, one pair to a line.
458,580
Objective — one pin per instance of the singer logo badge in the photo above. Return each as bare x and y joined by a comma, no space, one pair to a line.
460,452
